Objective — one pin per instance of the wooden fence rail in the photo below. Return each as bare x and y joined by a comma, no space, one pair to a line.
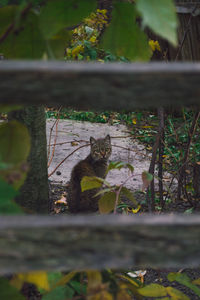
97,242
83,242
100,86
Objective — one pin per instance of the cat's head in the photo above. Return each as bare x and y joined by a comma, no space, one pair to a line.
101,148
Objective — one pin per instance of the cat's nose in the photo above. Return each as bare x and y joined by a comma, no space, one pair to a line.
102,153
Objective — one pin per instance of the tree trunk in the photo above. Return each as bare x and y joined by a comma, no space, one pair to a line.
34,194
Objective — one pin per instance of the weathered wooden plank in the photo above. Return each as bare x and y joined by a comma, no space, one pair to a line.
85,242
99,86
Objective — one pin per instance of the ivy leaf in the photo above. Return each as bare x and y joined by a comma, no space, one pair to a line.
57,15
80,288
153,290
107,203
123,37
161,17
89,182
146,179
59,293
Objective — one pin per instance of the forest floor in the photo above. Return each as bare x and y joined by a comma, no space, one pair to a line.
70,135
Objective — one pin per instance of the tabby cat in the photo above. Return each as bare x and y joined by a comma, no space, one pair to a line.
95,164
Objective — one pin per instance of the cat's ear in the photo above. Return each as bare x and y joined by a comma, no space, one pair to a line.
92,140
107,138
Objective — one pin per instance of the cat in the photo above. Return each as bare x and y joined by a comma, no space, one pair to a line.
95,164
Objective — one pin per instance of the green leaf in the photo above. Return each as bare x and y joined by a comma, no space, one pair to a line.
7,17
123,37
59,42
129,195
59,293
57,15
153,290
118,165
107,203
4,108
8,292
185,280
54,277
161,17
26,41
176,294
4,2
80,288
89,182
15,142
7,193
103,191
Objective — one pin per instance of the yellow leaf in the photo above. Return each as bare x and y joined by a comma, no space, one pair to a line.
77,50
92,39
107,203
129,280
149,148
134,121
65,279
102,295
94,279
62,200
89,182
74,143
40,279
196,281
154,45
153,290
123,295
135,211
176,294
147,126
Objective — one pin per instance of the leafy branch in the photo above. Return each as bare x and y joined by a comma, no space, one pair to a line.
110,196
